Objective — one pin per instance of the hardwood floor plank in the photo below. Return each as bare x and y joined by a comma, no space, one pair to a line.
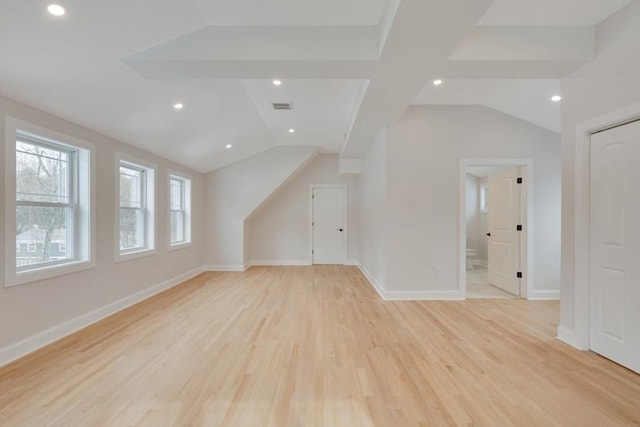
315,346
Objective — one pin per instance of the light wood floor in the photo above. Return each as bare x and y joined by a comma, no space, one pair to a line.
315,346
478,285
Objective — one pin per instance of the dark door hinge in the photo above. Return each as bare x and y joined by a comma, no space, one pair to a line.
519,181
519,227
519,274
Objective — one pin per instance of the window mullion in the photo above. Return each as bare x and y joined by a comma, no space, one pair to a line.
28,203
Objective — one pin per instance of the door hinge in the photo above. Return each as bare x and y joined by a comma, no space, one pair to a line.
519,180
519,227
519,274
313,196
312,251
313,224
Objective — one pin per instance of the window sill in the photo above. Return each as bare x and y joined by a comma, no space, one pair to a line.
134,255
43,273
178,246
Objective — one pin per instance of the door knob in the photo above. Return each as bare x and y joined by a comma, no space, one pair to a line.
489,234
339,229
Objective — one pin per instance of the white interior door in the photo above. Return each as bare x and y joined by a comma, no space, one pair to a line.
504,239
328,225
614,291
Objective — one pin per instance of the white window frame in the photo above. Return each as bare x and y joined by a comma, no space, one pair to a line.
71,203
186,201
83,226
149,198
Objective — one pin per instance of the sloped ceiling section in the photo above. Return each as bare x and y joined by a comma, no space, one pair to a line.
348,67
513,59
254,51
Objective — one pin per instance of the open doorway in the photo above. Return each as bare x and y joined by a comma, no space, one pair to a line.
495,208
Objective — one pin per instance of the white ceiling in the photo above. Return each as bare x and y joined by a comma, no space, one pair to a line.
549,13
350,67
526,99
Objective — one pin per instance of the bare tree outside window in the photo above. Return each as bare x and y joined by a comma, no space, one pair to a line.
132,208
176,210
45,202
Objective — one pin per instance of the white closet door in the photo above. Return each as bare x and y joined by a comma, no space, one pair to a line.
614,291
329,242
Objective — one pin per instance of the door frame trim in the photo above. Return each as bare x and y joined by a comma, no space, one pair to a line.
582,222
345,240
526,247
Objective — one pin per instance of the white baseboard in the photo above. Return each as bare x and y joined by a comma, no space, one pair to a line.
377,286
570,337
290,262
544,295
423,295
266,262
55,333
239,267
409,295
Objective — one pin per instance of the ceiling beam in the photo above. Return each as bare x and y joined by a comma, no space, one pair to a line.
422,36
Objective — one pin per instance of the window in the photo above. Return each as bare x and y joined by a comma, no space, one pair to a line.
484,198
135,209
49,203
179,210
46,202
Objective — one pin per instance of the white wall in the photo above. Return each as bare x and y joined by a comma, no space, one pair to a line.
278,232
237,190
611,81
373,213
422,160
31,308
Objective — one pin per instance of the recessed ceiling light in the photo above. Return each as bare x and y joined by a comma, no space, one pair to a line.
277,82
56,9
227,146
556,98
437,82
178,106
292,130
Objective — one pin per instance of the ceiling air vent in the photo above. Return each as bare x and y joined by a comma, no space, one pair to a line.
282,106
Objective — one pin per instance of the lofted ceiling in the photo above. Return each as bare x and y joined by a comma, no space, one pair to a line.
348,67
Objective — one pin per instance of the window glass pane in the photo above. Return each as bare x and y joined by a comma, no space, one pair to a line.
131,228
177,226
484,198
42,174
40,231
130,187
175,194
